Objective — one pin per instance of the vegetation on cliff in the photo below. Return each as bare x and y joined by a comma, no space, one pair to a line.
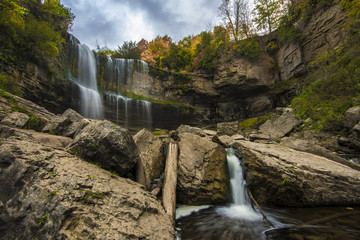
32,31
333,85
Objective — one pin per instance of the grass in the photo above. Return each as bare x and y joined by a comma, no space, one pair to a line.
253,123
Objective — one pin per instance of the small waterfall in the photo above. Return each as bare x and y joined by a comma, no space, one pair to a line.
90,101
241,205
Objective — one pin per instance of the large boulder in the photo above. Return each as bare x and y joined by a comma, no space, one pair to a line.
280,126
202,171
228,128
151,160
188,129
69,124
107,144
47,193
282,176
16,119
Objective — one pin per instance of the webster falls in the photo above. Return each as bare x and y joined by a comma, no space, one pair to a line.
240,218
111,103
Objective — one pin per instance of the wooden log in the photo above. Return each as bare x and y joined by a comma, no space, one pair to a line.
157,189
262,213
170,180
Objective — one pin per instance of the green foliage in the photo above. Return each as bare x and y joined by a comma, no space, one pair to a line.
249,48
287,32
32,30
53,193
35,123
41,221
159,132
267,14
8,84
253,123
128,50
41,39
334,87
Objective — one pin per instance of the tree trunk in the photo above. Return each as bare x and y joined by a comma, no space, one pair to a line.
169,190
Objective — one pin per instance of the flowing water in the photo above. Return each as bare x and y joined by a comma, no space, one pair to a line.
113,105
241,221
89,101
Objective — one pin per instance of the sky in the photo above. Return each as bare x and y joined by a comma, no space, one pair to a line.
111,22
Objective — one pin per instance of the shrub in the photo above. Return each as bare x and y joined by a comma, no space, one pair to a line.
249,48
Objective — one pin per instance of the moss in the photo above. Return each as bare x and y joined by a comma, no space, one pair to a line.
8,84
253,123
35,123
159,132
158,101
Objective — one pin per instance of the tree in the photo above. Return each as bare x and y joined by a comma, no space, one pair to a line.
236,17
267,14
156,49
128,50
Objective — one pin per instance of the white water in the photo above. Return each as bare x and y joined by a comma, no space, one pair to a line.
241,205
90,101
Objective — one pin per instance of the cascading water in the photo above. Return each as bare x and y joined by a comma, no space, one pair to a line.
241,205
90,101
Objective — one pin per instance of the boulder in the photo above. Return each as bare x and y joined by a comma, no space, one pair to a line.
108,145
151,161
228,128
279,175
352,117
202,171
280,126
16,119
188,129
69,124
47,193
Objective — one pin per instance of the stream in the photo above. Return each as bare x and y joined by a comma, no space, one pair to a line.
241,220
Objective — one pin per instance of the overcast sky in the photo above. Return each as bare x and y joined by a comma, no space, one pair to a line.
111,22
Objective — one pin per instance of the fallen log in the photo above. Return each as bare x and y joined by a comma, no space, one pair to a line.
262,213
157,189
169,190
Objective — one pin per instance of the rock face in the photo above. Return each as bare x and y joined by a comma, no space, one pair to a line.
16,119
47,193
202,171
151,161
282,176
69,124
107,144
280,126
228,128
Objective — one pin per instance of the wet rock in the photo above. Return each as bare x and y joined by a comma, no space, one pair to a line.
150,164
69,124
16,119
202,172
282,176
107,144
47,193
228,128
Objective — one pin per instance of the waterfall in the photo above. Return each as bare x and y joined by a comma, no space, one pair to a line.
241,206
90,101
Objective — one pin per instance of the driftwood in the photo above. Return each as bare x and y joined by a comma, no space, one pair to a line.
262,213
157,189
312,222
169,190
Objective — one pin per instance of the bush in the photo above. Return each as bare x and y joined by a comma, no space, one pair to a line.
249,48
287,32
8,84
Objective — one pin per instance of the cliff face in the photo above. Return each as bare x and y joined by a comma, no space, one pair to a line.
240,88
45,85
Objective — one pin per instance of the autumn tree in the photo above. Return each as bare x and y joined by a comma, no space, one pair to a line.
155,50
267,14
236,16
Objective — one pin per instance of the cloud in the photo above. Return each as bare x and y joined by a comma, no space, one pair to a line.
111,22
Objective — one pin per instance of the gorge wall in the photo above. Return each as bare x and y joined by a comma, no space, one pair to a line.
239,88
